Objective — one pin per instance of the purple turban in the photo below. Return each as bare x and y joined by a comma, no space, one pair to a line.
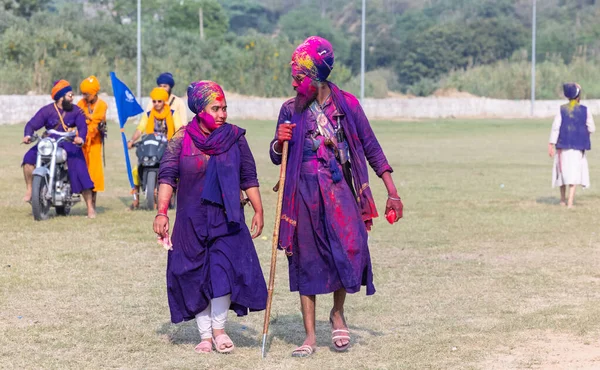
571,90
314,58
166,78
202,93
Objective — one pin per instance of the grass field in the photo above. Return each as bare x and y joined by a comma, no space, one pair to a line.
486,270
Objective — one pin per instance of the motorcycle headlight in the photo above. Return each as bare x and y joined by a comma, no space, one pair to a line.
154,158
146,159
45,147
61,155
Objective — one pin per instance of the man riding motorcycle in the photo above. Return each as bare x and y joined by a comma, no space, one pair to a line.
160,120
61,116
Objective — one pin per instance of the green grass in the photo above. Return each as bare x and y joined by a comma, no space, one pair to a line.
473,271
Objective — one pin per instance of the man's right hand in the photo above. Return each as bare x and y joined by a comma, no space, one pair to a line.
27,140
130,144
284,132
551,150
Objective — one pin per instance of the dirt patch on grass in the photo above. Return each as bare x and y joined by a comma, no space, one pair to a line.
547,350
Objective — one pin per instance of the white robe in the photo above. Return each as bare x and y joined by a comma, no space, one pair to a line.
570,165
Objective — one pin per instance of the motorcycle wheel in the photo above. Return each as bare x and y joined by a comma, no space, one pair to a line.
150,188
63,210
40,206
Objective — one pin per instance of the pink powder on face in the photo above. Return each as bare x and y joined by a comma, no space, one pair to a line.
208,121
306,88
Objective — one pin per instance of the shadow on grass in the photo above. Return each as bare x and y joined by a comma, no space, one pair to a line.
187,333
548,200
290,329
76,211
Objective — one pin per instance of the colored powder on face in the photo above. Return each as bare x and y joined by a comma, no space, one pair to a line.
202,93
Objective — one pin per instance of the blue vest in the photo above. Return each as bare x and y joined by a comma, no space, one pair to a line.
573,129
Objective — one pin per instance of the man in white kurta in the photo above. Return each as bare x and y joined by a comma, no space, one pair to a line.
569,140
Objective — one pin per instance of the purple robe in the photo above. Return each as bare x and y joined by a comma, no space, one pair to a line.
330,248
47,118
210,258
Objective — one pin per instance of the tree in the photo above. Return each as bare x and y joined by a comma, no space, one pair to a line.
245,15
24,8
301,23
184,15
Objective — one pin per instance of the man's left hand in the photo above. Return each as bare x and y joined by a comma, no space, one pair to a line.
78,141
396,205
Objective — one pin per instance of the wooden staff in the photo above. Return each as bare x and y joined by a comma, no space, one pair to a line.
281,183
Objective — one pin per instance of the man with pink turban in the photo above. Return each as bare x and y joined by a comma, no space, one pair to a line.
212,264
327,204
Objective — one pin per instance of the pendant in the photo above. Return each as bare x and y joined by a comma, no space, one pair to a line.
315,144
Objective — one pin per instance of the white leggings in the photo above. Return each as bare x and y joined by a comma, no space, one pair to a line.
214,316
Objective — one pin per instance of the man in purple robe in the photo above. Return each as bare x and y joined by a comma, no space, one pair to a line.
327,205
61,116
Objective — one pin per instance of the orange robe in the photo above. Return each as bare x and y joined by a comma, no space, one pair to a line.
92,149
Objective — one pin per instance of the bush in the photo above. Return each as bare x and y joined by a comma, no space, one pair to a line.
512,79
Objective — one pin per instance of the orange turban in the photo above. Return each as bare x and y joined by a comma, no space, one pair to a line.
90,86
159,94
60,89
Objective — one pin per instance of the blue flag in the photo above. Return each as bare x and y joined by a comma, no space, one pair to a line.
127,107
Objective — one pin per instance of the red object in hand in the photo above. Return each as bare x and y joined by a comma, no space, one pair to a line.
391,216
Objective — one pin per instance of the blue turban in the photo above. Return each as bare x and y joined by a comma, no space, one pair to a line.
571,90
165,78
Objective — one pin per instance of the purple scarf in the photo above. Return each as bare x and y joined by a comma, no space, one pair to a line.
360,174
222,182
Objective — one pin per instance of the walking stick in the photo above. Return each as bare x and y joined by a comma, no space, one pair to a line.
281,183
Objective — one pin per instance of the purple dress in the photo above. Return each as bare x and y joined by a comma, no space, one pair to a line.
47,118
208,260
330,248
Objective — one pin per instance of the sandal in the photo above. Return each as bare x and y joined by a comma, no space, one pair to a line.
337,334
304,351
204,347
220,340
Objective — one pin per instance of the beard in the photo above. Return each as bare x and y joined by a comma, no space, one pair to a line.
67,106
306,93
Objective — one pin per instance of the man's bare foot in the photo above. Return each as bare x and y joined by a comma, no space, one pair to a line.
307,348
91,214
27,197
339,329
563,203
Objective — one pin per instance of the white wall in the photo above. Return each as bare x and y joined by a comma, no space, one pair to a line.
20,108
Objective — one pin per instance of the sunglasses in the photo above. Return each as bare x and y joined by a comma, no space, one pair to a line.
156,101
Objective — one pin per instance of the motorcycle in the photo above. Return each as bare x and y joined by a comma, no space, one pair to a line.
51,186
149,151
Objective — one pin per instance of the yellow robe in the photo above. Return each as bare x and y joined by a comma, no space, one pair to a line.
92,149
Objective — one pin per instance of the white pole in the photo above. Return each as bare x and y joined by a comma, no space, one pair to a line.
362,53
201,21
533,40
139,49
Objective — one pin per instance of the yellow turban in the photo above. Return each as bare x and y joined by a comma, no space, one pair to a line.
159,94
90,86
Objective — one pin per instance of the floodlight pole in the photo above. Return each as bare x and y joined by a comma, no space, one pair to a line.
533,40
139,49
362,53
